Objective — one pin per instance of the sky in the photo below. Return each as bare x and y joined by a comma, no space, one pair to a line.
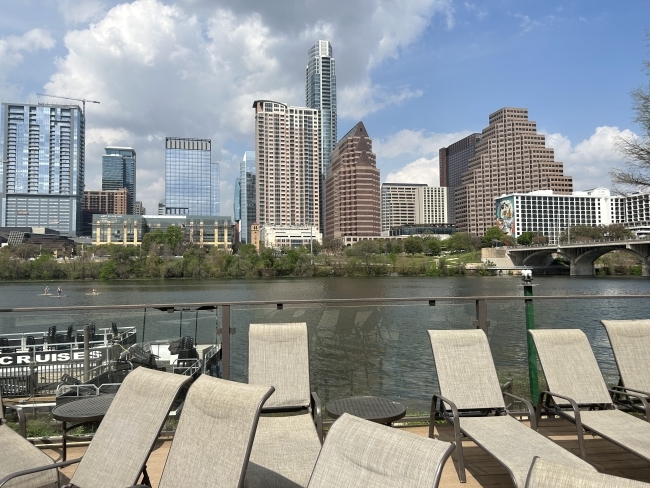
421,74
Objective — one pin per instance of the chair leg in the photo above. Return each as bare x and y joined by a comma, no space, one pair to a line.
145,476
461,457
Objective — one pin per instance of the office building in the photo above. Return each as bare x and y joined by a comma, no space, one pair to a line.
191,178
107,201
453,163
511,157
128,230
549,214
118,171
352,188
42,149
278,236
320,94
412,204
139,209
244,203
162,209
287,147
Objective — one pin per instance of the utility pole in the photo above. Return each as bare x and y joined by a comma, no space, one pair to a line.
82,100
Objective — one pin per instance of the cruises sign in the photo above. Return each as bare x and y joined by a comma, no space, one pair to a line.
51,357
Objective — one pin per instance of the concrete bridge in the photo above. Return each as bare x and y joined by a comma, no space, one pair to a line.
581,255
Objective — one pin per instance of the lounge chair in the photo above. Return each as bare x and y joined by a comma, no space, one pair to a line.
286,447
577,392
117,454
630,340
214,436
362,454
545,474
19,454
472,401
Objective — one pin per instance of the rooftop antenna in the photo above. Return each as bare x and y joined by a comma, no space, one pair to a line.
82,100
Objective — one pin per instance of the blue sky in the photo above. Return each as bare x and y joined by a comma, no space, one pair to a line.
419,73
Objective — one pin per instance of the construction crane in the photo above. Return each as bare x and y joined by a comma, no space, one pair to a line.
82,100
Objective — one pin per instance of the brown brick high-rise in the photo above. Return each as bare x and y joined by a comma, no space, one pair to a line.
511,157
352,197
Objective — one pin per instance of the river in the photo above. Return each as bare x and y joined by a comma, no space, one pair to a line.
360,349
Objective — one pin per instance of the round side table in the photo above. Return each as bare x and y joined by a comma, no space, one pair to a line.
373,408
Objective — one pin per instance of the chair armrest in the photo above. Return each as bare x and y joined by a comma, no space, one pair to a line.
638,394
454,414
529,406
576,416
24,472
317,413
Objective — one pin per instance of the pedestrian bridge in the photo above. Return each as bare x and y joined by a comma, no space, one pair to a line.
581,255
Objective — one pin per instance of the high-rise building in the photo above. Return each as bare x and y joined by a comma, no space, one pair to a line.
191,178
42,164
412,204
107,201
287,164
139,209
453,162
245,211
511,157
162,210
320,94
118,171
352,188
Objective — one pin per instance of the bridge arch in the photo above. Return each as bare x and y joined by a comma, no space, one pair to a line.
582,263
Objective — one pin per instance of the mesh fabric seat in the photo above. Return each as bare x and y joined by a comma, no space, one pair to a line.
630,340
578,393
545,474
285,448
118,452
214,436
469,385
361,454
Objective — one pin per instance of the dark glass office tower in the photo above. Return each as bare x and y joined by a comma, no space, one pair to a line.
191,178
42,163
453,162
118,171
320,93
245,209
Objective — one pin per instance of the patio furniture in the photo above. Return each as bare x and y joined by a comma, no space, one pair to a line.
545,474
577,392
472,401
376,409
362,454
117,454
286,447
630,340
214,436
19,454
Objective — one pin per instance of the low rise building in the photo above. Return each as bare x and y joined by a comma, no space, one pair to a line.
37,236
275,236
128,230
412,204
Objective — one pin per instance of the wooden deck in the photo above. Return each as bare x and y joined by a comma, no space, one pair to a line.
482,469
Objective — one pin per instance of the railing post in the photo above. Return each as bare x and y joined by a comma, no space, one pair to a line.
225,342
481,321
86,353
532,352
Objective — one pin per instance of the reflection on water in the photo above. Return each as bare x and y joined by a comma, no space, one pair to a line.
380,349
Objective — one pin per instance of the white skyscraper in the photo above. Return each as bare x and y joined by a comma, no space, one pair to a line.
320,91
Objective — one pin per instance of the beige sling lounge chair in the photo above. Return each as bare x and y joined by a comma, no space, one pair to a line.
362,454
577,392
214,436
472,401
545,474
630,340
286,447
117,454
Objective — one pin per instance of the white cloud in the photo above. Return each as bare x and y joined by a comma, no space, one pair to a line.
193,69
589,161
419,143
421,170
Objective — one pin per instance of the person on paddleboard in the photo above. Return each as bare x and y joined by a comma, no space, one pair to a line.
58,292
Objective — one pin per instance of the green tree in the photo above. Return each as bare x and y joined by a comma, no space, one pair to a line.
432,246
173,236
459,242
636,149
413,245
365,251
526,238
492,234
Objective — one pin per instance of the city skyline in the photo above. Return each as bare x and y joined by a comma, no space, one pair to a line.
408,69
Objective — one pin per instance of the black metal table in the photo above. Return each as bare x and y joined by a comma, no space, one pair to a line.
376,409
81,412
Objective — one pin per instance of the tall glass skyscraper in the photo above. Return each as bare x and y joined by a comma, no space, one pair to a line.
320,92
42,163
191,178
118,171
245,208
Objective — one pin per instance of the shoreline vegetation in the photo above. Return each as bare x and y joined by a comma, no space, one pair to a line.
165,256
